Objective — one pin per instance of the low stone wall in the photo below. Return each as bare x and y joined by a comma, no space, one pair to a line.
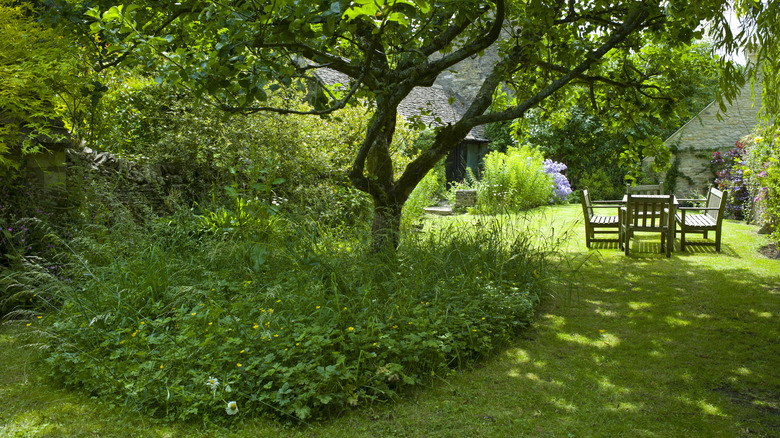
465,199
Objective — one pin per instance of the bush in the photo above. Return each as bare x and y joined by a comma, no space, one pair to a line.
514,181
729,171
298,326
761,164
602,186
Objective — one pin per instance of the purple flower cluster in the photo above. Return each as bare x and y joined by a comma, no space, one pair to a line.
562,186
729,172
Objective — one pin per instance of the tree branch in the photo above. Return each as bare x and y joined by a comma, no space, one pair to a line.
637,20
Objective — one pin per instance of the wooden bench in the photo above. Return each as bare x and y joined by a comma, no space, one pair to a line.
598,223
702,223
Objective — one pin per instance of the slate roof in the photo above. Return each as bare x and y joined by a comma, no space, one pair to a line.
434,105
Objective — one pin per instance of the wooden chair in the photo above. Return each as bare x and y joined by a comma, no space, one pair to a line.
710,220
646,189
597,223
638,216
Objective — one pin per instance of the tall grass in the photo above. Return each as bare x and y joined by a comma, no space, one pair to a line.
297,326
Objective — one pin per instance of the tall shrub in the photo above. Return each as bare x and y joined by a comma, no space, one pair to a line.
762,173
514,181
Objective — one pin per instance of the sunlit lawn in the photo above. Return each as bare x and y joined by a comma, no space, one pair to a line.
623,346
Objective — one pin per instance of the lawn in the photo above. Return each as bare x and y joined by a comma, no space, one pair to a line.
622,346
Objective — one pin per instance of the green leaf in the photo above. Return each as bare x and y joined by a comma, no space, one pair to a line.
113,14
94,13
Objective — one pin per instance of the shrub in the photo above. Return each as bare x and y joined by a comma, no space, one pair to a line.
297,327
513,181
602,186
729,172
762,173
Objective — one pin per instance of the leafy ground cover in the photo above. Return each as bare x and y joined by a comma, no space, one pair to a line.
637,346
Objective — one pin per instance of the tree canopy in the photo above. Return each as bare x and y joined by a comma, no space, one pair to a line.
551,53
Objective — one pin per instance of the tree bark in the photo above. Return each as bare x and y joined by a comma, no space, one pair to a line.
385,231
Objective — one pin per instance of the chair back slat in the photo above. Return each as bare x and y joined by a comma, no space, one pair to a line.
645,189
647,211
587,205
716,199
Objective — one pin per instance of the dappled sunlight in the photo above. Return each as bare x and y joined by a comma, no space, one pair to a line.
660,337
605,384
555,320
564,405
633,305
606,340
625,407
710,409
677,322
519,355
608,313
761,314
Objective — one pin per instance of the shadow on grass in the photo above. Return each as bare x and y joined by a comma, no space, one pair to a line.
663,347
651,245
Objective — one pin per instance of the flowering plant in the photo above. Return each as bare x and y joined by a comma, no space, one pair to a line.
561,185
729,170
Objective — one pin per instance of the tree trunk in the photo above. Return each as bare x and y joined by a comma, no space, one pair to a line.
385,231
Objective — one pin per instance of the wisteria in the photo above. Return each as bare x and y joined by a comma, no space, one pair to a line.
562,186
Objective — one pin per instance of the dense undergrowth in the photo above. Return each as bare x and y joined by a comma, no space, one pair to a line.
301,322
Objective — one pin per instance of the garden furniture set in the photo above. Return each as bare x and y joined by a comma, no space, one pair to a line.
647,208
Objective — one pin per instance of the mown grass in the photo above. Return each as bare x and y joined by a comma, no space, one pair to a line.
622,346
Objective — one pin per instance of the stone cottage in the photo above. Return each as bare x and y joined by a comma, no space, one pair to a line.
693,144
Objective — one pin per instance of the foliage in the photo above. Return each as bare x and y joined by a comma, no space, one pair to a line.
428,192
591,136
298,326
514,181
602,186
33,64
500,135
237,55
761,164
730,176
169,129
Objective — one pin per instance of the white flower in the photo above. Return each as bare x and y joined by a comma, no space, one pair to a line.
232,408
228,388
212,383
